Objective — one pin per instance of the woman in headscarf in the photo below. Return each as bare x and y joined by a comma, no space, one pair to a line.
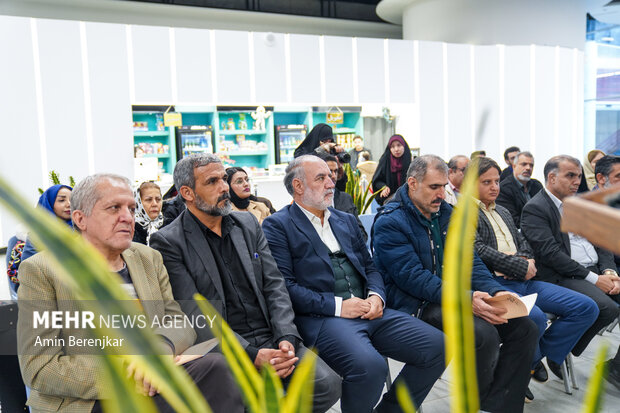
149,218
241,195
392,168
589,163
55,200
319,140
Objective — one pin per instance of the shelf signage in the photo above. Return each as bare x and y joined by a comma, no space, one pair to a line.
335,116
172,119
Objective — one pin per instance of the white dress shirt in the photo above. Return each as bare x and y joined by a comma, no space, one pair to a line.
324,230
581,250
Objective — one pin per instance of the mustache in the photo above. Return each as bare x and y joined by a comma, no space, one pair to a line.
436,201
223,197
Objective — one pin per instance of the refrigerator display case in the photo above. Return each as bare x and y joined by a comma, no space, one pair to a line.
194,139
287,139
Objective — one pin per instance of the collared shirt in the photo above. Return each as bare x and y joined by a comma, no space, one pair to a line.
434,238
505,241
451,193
325,233
524,190
581,250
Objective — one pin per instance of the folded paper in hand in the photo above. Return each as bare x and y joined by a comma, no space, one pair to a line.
514,306
197,351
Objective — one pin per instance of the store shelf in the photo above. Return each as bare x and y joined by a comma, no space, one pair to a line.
242,132
151,133
247,153
156,155
338,131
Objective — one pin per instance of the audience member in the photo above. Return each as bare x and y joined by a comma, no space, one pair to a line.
224,256
456,173
478,154
241,194
319,140
55,200
409,238
172,208
519,187
357,151
569,260
339,297
392,168
607,171
506,253
148,215
62,377
589,163
342,200
509,156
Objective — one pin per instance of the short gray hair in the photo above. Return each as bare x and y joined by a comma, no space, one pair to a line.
295,170
523,153
85,195
453,163
420,165
553,164
183,174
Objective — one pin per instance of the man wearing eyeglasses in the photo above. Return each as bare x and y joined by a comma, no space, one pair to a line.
456,173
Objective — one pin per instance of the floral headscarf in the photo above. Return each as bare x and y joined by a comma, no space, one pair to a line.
142,218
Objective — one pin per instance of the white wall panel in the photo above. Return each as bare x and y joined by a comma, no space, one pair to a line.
109,96
20,155
459,100
401,71
517,98
305,73
545,103
270,67
486,66
63,97
564,99
233,66
338,69
151,62
193,65
431,99
370,70
578,110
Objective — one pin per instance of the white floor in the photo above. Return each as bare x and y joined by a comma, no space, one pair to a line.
549,397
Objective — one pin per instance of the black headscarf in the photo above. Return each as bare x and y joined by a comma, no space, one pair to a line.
240,203
320,133
384,176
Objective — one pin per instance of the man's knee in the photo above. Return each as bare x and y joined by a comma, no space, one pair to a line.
487,337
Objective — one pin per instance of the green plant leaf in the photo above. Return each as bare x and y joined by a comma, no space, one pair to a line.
404,398
117,383
274,393
298,398
243,369
593,401
456,299
84,270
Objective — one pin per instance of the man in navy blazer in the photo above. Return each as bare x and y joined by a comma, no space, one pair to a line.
339,297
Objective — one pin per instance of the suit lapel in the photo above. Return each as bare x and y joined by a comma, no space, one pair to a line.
196,240
489,236
303,224
558,217
241,247
138,276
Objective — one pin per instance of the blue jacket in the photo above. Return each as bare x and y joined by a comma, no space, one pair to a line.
303,260
402,253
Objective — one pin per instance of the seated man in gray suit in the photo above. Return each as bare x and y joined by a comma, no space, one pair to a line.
67,378
224,256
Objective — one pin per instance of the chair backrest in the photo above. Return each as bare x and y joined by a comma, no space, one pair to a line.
367,221
374,205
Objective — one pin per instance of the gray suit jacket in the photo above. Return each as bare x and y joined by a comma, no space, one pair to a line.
192,269
486,246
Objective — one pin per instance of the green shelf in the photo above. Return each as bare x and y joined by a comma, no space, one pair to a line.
156,155
251,153
242,132
151,133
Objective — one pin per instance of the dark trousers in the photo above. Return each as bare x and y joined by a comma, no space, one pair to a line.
607,305
12,389
356,348
576,312
503,372
213,379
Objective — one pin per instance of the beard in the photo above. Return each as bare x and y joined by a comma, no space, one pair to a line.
215,210
320,203
524,178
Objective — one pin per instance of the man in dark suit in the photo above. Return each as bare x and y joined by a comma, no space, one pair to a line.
565,259
519,187
224,256
339,296
409,236
509,156
506,253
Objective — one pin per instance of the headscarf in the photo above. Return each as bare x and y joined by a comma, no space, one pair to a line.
588,171
48,199
320,133
240,203
142,218
391,171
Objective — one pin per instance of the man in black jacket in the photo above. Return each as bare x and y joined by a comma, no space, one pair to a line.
509,156
519,187
224,256
565,259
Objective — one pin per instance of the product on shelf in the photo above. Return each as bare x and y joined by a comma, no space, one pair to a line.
140,127
146,148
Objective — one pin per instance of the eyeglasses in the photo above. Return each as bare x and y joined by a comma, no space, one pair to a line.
240,181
